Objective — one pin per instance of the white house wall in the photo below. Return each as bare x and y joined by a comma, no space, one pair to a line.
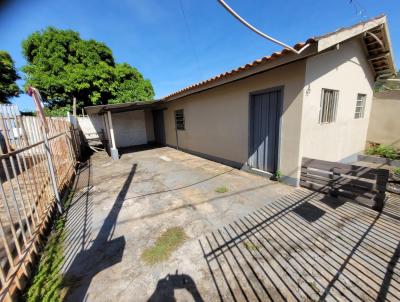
347,70
91,126
129,128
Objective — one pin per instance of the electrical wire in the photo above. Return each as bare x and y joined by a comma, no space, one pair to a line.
189,33
259,32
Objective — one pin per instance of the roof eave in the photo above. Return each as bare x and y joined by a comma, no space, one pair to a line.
344,34
246,71
389,43
122,107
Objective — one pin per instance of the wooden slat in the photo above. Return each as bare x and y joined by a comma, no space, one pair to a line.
327,190
341,181
340,168
363,184
325,174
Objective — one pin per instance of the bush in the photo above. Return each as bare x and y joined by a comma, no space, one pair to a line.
396,171
371,151
384,151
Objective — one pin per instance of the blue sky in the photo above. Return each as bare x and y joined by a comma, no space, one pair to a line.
175,43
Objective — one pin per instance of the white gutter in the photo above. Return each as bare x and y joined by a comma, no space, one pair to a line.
257,31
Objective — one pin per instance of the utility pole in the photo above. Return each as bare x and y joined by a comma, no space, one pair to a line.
74,106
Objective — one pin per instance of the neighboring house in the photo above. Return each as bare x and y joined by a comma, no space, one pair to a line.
8,129
267,115
384,125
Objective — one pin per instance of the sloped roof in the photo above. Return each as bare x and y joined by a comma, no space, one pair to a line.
323,42
122,107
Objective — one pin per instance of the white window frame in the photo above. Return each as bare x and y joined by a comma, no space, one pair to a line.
360,106
328,106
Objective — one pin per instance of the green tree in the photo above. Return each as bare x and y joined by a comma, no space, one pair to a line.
63,66
8,76
388,85
128,84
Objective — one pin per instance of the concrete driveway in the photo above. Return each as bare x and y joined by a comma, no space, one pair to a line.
261,240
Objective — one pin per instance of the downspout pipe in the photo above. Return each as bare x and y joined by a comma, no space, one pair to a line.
259,32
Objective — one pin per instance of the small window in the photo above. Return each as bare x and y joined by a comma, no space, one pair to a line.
329,100
360,106
179,120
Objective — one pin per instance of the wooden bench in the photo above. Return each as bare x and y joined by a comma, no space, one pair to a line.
362,184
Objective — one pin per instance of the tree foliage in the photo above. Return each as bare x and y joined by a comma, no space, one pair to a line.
8,76
388,85
62,66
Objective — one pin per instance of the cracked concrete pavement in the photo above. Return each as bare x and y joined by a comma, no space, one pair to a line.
261,240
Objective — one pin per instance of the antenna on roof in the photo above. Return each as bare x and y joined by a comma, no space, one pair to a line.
360,10
259,32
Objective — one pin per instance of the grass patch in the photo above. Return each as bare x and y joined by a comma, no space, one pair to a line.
222,189
383,151
250,246
396,171
165,245
47,283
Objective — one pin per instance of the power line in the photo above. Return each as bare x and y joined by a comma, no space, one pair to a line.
360,10
189,33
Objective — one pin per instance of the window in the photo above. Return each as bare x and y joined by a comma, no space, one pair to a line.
360,106
329,100
179,120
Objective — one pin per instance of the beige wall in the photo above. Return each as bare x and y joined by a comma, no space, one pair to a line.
217,120
345,69
384,124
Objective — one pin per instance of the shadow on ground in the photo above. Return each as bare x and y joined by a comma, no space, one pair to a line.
301,247
97,255
307,247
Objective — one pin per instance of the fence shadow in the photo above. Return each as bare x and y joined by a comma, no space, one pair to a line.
280,252
99,254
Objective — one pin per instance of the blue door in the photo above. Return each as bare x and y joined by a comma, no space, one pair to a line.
265,115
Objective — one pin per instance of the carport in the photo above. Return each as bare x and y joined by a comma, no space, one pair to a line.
128,124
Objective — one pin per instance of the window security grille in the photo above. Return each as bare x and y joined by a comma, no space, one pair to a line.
179,119
329,101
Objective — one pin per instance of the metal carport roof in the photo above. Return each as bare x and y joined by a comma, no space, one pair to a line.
123,107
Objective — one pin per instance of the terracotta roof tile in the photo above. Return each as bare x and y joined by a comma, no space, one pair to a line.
262,60
241,68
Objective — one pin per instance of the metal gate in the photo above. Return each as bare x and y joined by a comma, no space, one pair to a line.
265,115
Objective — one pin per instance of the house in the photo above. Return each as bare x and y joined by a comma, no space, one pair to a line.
384,124
265,116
